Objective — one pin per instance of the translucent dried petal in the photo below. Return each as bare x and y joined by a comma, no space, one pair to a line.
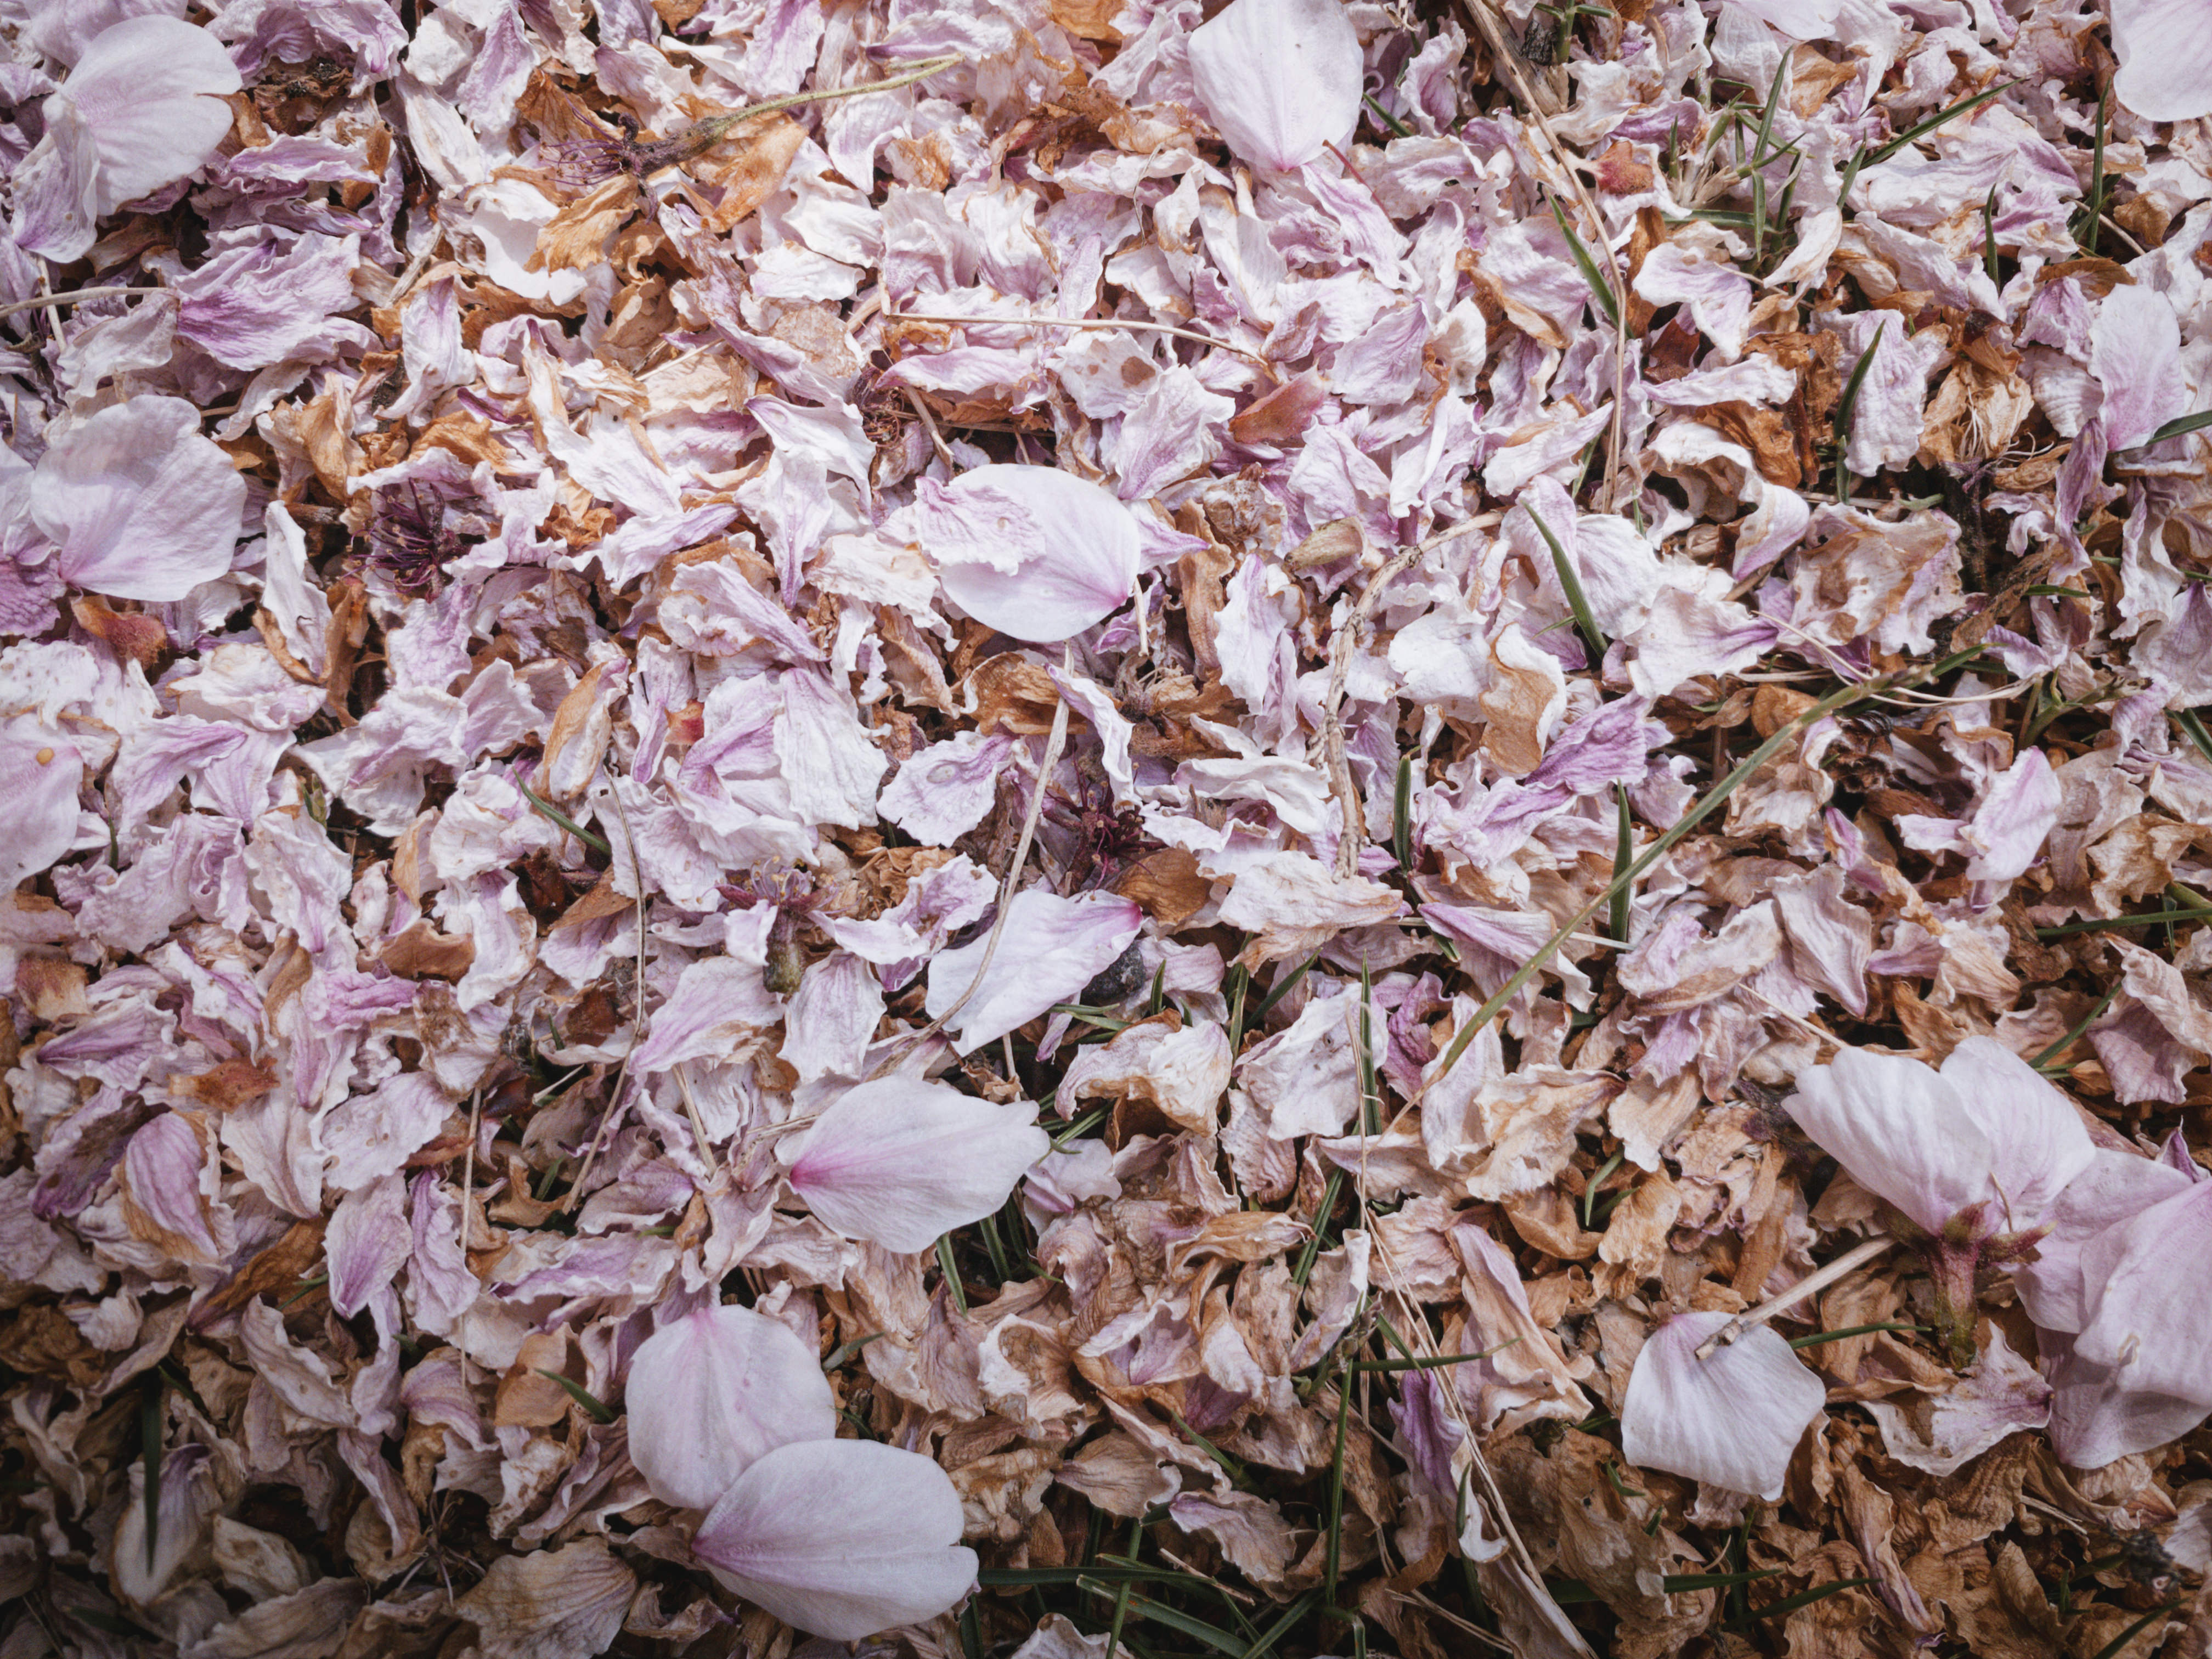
40,772
151,89
903,1161
1032,552
2165,49
1731,1420
712,1392
142,506
840,1538
1281,78
1051,948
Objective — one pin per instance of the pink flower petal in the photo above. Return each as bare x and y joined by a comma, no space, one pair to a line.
1051,949
2135,352
2149,1320
143,506
712,1393
1900,1129
2040,1145
903,1161
1032,552
840,1538
151,89
40,772
1732,1420
2165,49
1281,78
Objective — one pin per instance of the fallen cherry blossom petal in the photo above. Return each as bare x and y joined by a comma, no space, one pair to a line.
712,1392
903,1161
840,1538
1031,552
1280,78
1732,1420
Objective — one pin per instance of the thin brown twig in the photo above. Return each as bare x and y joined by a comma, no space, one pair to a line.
74,296
1817,1280
892,316
637,1002
468,1191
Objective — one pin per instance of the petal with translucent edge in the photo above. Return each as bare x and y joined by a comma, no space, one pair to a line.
2149,1320
152,90
840,1538
711,1393
1032,552
2096,1420
2135,352
1051,949
903,1161
2114,1186
56,188
2041,1144
40,772
2165,49
1899,1128
1732,1420
143,506
1281,78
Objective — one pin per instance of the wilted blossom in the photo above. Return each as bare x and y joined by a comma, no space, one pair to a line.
142,107
1280,78
731,1413
1972,1157
1028,550
903,1162
1732,1419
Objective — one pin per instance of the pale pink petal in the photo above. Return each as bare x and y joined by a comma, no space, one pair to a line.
1281,78
2000,1395
143,506
2135,352
56,188
160,1182
1899,1128
1800,19
903,1161
2149,1320
1731,1420
40,772
1033,552
152,90
1051,949
840,1538
2165,49
2095,1420
712,1393
2114,1186
2039,1141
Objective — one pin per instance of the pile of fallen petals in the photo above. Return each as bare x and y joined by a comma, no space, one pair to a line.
1060,828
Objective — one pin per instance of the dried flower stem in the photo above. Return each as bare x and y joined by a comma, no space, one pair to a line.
661,155
1818,1280
75,297
892,316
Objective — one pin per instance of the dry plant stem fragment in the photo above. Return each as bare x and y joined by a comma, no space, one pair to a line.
1271,828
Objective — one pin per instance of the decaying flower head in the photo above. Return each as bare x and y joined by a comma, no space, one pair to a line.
1973,1156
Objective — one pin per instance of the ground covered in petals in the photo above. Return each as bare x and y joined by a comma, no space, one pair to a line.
1049,829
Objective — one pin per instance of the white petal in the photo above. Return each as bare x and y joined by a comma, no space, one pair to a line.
2114,1186
2165,49
1281,78
2040,1142
40,772
2095,1420
2149,1319
1732,1420
1036,554
903,1161
1899,1128
152,88
840,1538
1051,949
143,506
711,1394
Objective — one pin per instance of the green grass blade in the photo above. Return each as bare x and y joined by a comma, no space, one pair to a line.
2048,1060
2179,428
1401,817
1819,1337
1848,405
2112,1649
953,1287
1265,1643
2095,204
1623,854
1572,583
1807,1598
547,809
1600,290
1329,1194
1942,117
594,1408
2107,924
